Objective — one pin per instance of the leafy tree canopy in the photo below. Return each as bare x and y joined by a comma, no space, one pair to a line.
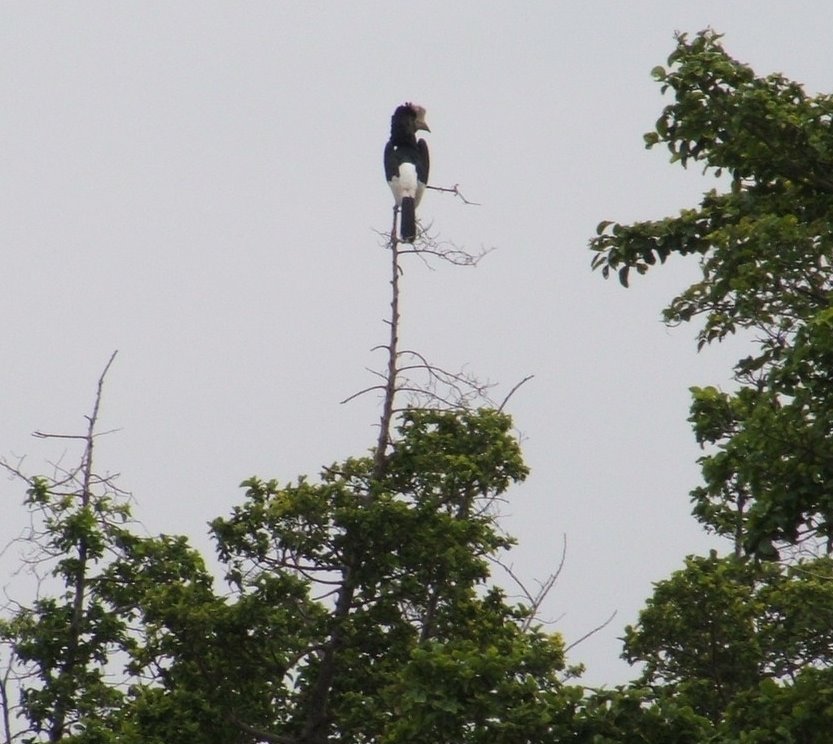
733,649
765,248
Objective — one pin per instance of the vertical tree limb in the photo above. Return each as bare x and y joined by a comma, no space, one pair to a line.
393,353
79,581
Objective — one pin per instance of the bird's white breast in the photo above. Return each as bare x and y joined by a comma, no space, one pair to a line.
405,184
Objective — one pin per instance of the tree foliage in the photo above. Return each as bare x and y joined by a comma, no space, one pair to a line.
743,641
765,251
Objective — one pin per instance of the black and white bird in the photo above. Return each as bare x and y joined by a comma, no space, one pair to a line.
406,164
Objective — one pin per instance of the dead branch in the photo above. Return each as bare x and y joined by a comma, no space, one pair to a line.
440,387
429,244
362,392
592,632
455,189
42,435
536,599
512,391
452,254
462,387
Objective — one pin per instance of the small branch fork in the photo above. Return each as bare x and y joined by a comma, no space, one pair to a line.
430,245
441,387
536,599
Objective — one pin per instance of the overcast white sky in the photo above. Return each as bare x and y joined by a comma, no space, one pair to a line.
197,185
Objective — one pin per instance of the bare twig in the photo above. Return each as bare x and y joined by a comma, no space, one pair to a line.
427,244
544,587
592,632
362,392
455,189
512,391
439,386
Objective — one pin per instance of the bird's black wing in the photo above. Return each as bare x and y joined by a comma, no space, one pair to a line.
423,162
391,161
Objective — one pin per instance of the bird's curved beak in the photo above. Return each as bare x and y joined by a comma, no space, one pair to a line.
421,123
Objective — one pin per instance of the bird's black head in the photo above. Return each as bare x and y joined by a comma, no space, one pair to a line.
407,120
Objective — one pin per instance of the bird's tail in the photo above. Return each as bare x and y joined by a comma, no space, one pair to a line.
408,223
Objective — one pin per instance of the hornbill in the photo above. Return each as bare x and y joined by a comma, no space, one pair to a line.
406,164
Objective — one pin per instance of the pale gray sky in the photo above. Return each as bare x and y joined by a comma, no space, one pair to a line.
197,185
